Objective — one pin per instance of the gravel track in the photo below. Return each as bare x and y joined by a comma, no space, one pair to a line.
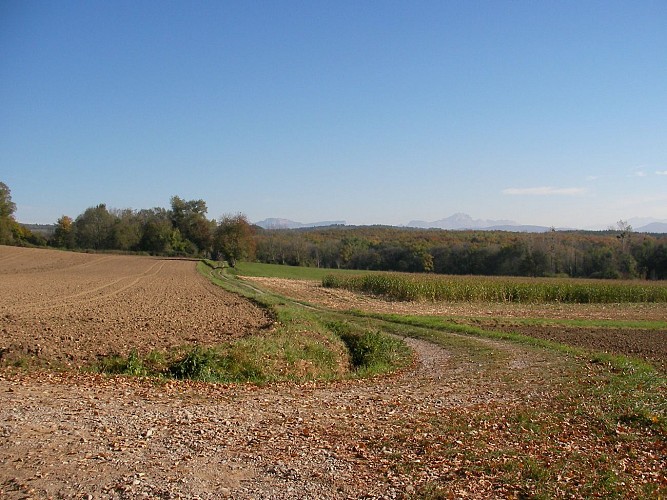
74,436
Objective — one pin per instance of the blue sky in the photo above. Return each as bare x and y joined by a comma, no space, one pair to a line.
373,112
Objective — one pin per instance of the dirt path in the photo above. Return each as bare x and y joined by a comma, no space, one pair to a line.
73,436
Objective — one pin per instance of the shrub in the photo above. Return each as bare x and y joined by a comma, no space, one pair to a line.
131,365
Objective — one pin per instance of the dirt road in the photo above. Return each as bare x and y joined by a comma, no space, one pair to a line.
74,436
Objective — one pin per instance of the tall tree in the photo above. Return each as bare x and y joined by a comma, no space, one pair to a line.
624,233
7,209
189,217
126,233
234,239
156,230
94,228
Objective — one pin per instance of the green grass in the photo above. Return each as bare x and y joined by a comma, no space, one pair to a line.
132,364
577,323
371,352
430,326
259,359
302,348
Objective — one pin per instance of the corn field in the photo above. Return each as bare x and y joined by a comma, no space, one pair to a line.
486,289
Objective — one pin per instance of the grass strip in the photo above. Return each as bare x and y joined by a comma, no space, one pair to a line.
580,323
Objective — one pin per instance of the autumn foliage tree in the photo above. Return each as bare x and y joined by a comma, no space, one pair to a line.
63,236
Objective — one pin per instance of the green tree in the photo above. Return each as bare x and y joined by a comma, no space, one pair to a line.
156,230
234,239
599,263
94,228
189,217
7,209
127,230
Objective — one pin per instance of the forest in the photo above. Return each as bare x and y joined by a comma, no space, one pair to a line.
618,253
184,229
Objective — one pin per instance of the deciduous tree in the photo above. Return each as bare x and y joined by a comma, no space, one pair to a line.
94,228
234,239
127,230
189,217
7,209
63,235
156,231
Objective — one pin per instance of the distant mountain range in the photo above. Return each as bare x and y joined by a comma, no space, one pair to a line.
457,221
653,227
273,223
461,221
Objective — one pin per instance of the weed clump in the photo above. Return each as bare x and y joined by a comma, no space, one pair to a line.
198,364
371,352
132,365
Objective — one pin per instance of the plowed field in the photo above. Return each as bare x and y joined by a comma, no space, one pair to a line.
68,308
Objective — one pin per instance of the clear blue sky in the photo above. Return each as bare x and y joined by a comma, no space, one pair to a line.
373,112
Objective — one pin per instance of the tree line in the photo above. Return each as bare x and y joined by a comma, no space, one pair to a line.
184,229
181,230
615,253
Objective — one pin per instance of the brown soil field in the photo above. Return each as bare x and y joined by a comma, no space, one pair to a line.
68,309
650,345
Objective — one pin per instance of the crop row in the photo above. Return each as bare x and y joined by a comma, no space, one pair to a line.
478,289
